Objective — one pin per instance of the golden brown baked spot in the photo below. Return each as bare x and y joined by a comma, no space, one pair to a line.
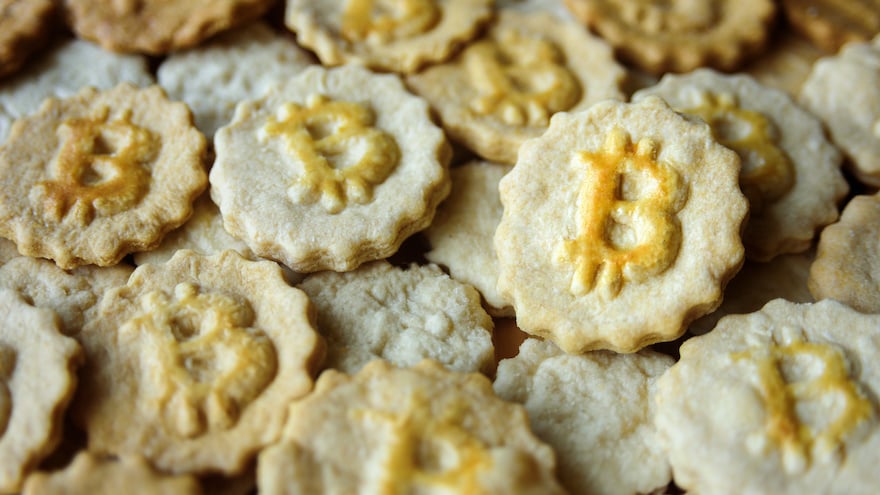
380,21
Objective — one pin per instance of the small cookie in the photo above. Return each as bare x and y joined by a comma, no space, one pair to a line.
832,23
401,315
790,171
399,36
461,235
91,178
503,88
37,380
781,401
680,35
89,474
333,169
853,122
192,363
621,225
390,430
595,410
24,26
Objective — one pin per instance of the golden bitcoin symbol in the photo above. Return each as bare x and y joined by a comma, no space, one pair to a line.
99,167
668,16
627,206
387,20
324,137
7,365
520,79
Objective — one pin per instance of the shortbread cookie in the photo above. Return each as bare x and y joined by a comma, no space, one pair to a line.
91,178
7,251
37,380
621,225
781,401
832,23
503,88
390,35
335,168
786,63
595,410
680,35
390,430
193,362
462,233
239,65
89,474
402,316
24,27
853,122
157,27
790,171
555,7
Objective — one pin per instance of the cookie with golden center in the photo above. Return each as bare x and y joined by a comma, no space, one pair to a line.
37,380
406,430
192,363
461,235
24,27
401,315
780,401
503,88
832,23
333,169
568,399
388,35
680,35
853,123
91,178
90,474
157,27
790,171
621,225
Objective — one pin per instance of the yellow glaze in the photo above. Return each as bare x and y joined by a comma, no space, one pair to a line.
7,366
383,21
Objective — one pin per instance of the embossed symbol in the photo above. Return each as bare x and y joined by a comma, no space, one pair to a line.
670,16
627,206
382,21
767,172
206,363
99,168
521,79
342,155
7,366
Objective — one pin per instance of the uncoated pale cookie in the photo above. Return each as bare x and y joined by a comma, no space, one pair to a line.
193,362
396,35
596,411
832,23
335,168
781,401
621,225
401,315
790,171
503,88
37,380
88,179
8,251
411,430
24,26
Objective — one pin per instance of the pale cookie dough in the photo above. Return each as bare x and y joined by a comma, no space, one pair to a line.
462,232
242,64
8,251
37,380
781,401
25,25
389,35
411,430
503,88
555,7
596,411
401,315
790,171
192,363
621,225
335,168
844,91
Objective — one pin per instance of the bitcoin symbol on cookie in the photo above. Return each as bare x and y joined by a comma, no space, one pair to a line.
671,16
387,20
627,216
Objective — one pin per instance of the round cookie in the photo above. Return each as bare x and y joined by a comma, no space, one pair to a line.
24,27
832,23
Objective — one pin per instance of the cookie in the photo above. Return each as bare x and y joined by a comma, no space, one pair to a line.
786,63
621,225
91,178
780,401
595,410
192,363
503,88
24,27
345,155
398,36
790,171
832,23
8,251
390,430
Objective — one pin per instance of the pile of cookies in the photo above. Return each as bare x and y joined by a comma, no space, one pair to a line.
439,246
